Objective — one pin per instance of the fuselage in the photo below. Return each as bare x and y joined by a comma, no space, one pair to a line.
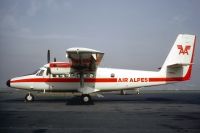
103,79
83,72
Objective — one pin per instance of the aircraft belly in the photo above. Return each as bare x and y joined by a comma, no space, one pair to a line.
120,86
57,86
107,86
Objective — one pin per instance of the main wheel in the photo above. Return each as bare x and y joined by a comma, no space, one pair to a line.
29,97
123,92
86,98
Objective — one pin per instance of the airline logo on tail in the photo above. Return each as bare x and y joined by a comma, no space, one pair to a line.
183,50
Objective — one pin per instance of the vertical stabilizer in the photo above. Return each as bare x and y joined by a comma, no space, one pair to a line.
179,62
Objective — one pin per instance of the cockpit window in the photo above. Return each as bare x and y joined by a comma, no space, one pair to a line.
40,73
35,71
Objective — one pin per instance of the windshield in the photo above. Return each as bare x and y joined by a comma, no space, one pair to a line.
40,73
35,71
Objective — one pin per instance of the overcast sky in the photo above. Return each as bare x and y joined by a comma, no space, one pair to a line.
133,34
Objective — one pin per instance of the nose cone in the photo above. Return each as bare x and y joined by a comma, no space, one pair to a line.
8,83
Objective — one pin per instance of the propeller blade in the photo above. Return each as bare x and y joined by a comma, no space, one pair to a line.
48,56
48,71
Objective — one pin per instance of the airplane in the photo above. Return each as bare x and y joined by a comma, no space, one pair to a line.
81,72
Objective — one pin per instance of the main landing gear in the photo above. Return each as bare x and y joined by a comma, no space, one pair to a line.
85,98
29,97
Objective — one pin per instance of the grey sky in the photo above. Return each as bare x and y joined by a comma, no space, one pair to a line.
133,34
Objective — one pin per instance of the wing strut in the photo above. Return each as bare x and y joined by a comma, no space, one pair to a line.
81,80
81,71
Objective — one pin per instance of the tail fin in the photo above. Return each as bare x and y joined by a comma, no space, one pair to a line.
178,63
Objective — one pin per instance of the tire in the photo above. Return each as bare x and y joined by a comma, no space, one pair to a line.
123,92
29,97
86,98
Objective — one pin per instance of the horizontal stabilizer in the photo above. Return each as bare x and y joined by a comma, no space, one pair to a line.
177,65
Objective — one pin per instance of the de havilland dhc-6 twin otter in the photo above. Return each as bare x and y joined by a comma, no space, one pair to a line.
81,73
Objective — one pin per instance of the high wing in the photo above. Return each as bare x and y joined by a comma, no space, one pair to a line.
84,59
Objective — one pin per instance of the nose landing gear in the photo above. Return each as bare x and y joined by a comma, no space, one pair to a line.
29,97
86,98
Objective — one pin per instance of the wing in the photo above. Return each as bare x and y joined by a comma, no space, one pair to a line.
84,59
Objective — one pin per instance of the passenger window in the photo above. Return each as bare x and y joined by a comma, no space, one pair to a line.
66,75
71,75
85,75
112,75
62,76
91,75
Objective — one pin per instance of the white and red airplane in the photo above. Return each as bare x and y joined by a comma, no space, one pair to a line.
82,74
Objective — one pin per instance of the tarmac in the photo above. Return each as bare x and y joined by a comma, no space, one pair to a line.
148,112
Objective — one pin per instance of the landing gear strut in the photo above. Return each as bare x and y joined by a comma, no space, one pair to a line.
123,92
29,97
86,98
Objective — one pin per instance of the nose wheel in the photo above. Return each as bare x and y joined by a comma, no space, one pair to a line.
29,97
86,98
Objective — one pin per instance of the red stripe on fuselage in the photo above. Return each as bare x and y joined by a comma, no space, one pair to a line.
166,79
65,80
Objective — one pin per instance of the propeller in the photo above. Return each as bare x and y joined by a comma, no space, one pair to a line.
48,56
48,61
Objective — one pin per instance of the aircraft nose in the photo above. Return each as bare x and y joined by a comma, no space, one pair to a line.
8,83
